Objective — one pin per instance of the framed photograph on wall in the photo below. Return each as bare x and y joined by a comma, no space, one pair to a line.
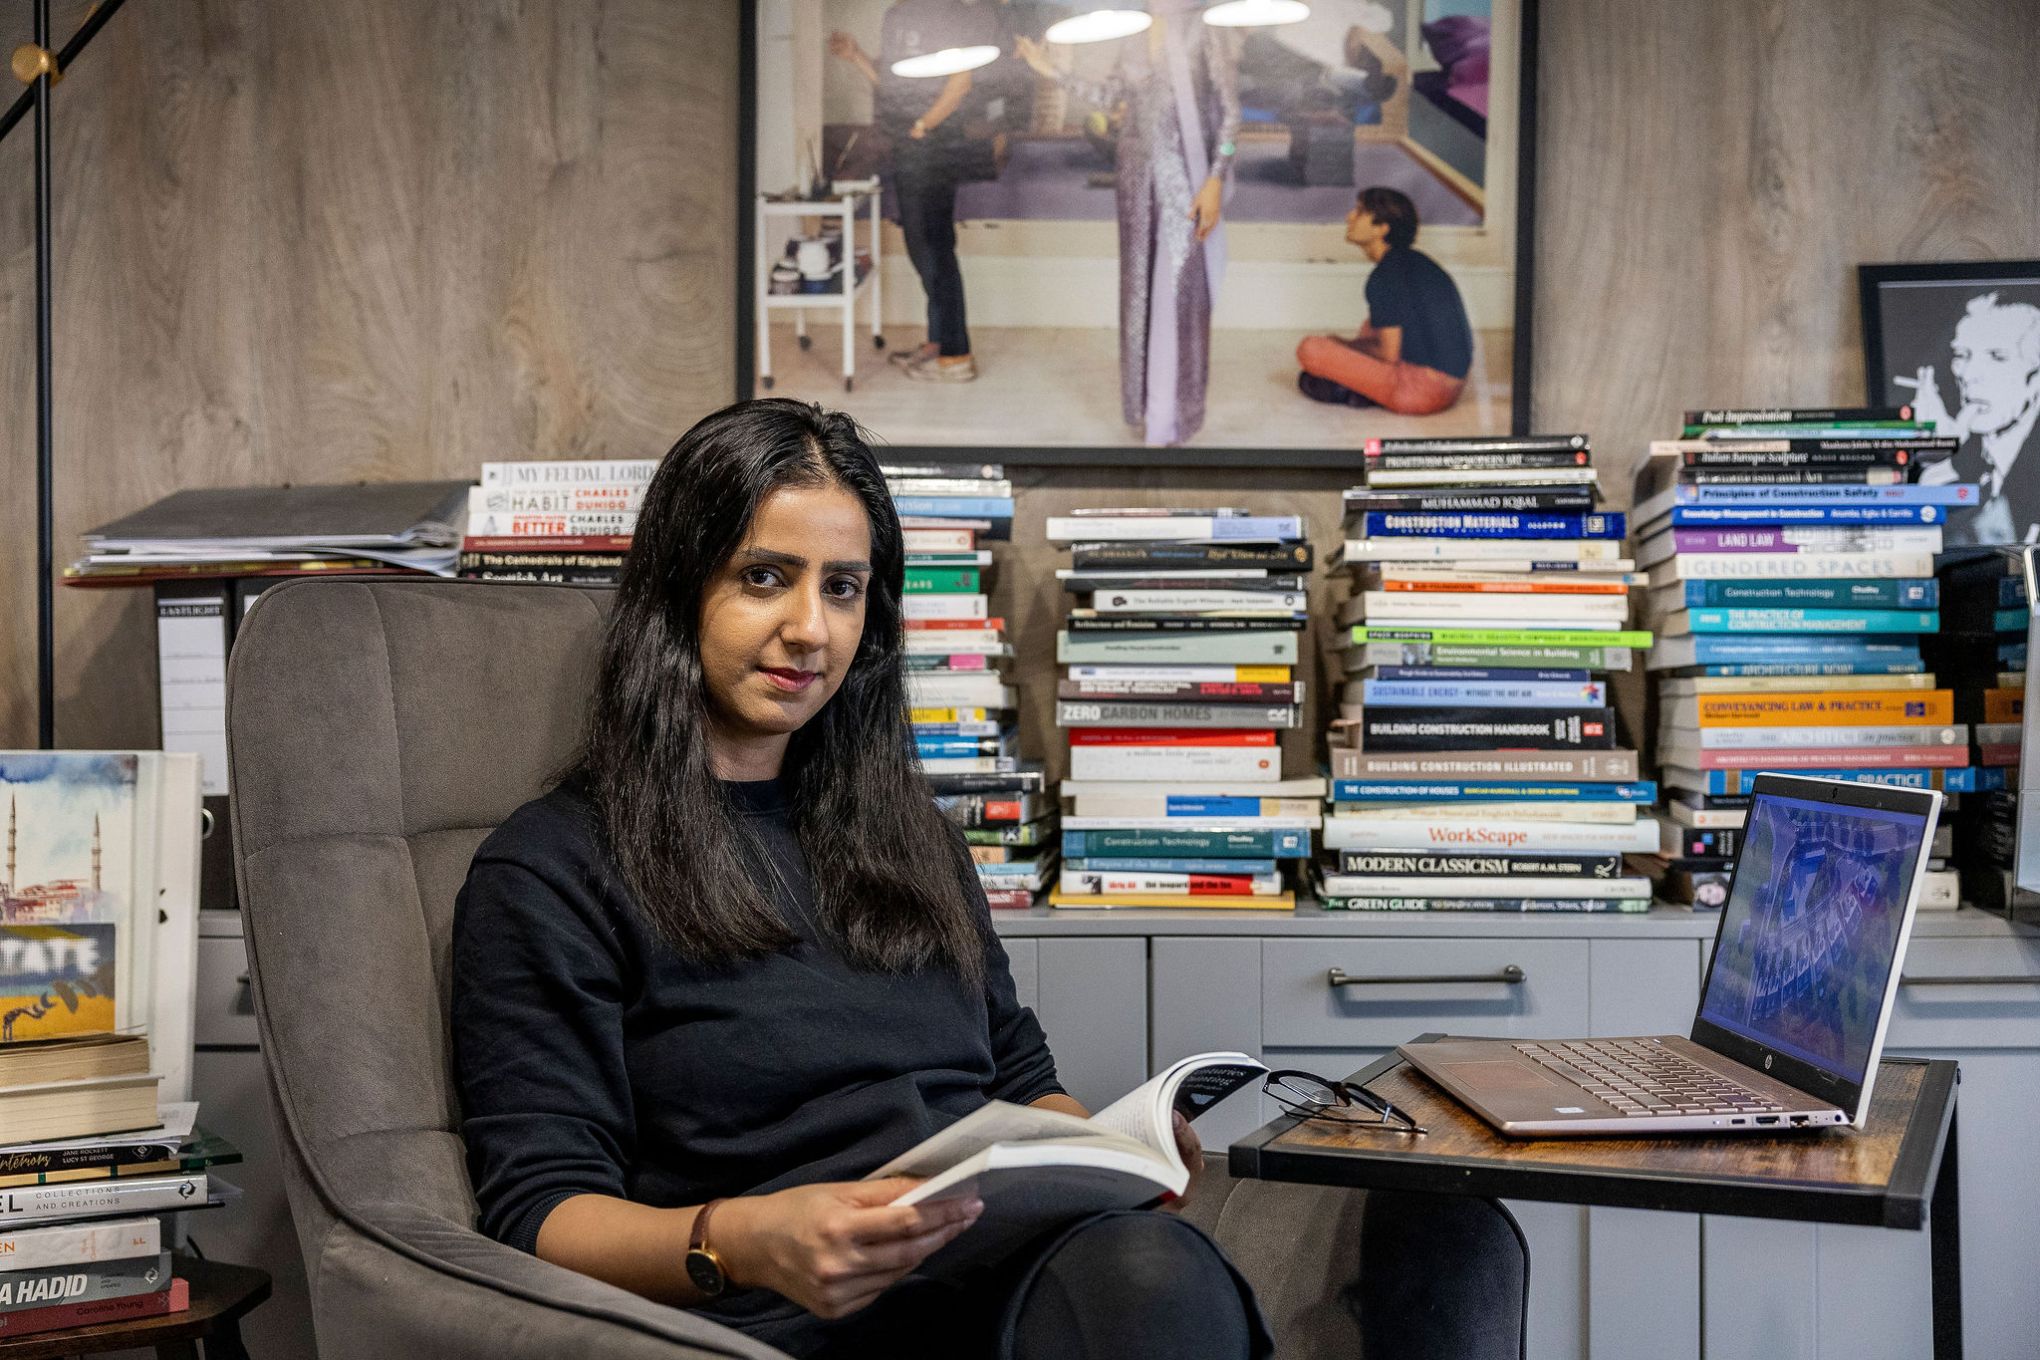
1960,344
1179,232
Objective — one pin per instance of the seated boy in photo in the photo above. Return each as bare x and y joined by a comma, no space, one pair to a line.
1413,352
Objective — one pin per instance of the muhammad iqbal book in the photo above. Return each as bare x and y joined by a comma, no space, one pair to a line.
1035,1168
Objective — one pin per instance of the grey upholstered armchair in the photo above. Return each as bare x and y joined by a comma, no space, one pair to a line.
378,731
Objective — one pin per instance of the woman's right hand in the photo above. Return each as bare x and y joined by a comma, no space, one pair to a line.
833,1248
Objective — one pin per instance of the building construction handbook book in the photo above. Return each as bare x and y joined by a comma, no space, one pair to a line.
1035,1168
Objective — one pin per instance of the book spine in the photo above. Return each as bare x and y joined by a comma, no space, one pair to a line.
1806,540
1820,757
1008,781
1711,619
1273,843
1732,515
1442,606
1614,766
1535,443
945,607
1396,549
616,544
1137,864
1220,675
1100,883
1715,649
570,473
574,500
157,1303
1174,556
1360,501
1178,601
1943,494
1182,691
965,472
955,507
1503,865
1273,648
1076,713
73,1244
973,487
949,661
108,1157
939,540
1249,763
1474,460
929,746
1152,625
1727,455
55,1285
1455,791
1191,807
1484,479
941,581
1461,654
1516,904
1501,637
83,1199
1423,729
1869,738
1405,694
1746,476
1500,524
517,525
541,576
1810,565
1639,838
1782,415
1887,594
1198,528
1840,707
531,561
1481,886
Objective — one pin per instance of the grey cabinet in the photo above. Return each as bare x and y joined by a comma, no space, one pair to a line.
1090,996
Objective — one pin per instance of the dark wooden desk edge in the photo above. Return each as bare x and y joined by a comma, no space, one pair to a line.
1902,1203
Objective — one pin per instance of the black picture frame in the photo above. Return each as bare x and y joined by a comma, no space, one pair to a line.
1195,457
1871,279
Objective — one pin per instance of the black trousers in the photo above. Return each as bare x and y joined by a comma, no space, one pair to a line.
924,185
1129,1285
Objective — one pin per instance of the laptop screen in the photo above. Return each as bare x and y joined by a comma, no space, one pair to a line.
1810,931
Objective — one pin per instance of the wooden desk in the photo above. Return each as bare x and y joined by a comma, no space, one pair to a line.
1898,1171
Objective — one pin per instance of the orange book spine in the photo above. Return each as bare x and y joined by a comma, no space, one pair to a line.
1840,708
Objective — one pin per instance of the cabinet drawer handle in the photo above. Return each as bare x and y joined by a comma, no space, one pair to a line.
1997,980
1512,974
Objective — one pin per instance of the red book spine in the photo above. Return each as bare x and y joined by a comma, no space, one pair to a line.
1172,736
22,1321
941,625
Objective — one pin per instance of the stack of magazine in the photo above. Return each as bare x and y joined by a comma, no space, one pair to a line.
1791,564
1475,763
963,705
566,522
1180,677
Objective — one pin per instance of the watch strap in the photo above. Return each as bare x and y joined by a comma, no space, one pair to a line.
697,1237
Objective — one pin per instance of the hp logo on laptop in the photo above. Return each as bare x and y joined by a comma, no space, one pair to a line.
1767,1062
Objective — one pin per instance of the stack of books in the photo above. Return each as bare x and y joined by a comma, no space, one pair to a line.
567,522
88,1158
1180,675
964,708
1981,654
1791,580
1474,761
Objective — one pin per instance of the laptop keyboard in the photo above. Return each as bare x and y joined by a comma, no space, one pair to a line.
1640,1076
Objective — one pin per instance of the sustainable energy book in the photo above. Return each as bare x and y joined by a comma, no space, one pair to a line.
1035,1168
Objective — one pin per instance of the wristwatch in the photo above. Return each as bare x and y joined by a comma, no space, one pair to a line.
921,126
704,1267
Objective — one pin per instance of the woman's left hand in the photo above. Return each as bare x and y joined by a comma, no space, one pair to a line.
1204,208
1192,1153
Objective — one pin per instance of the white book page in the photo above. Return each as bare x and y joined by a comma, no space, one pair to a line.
997,1122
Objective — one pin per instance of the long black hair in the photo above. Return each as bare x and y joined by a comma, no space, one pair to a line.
893,882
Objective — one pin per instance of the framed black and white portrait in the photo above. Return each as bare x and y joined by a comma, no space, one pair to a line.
1960,344
1156,231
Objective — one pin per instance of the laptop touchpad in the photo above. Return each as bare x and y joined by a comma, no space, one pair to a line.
1502,1076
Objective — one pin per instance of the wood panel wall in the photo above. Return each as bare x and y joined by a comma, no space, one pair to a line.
365,238
352,239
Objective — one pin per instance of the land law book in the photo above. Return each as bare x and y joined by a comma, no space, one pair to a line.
1035,1169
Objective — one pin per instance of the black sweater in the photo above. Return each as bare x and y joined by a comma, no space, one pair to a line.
592,1058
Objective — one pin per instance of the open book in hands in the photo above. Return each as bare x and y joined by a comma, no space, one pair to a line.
1035,1169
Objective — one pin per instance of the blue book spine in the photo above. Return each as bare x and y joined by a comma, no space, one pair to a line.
1710,650
1492,524
1901,666
1439,674
2011,656
1708,619
1414,694
2010,620
1738,782
1259,528
1121,842
1383,791
1895,593
969,729
1807,514
1149,865
955,507
1176,806
1908,493
2011,592
1979,778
